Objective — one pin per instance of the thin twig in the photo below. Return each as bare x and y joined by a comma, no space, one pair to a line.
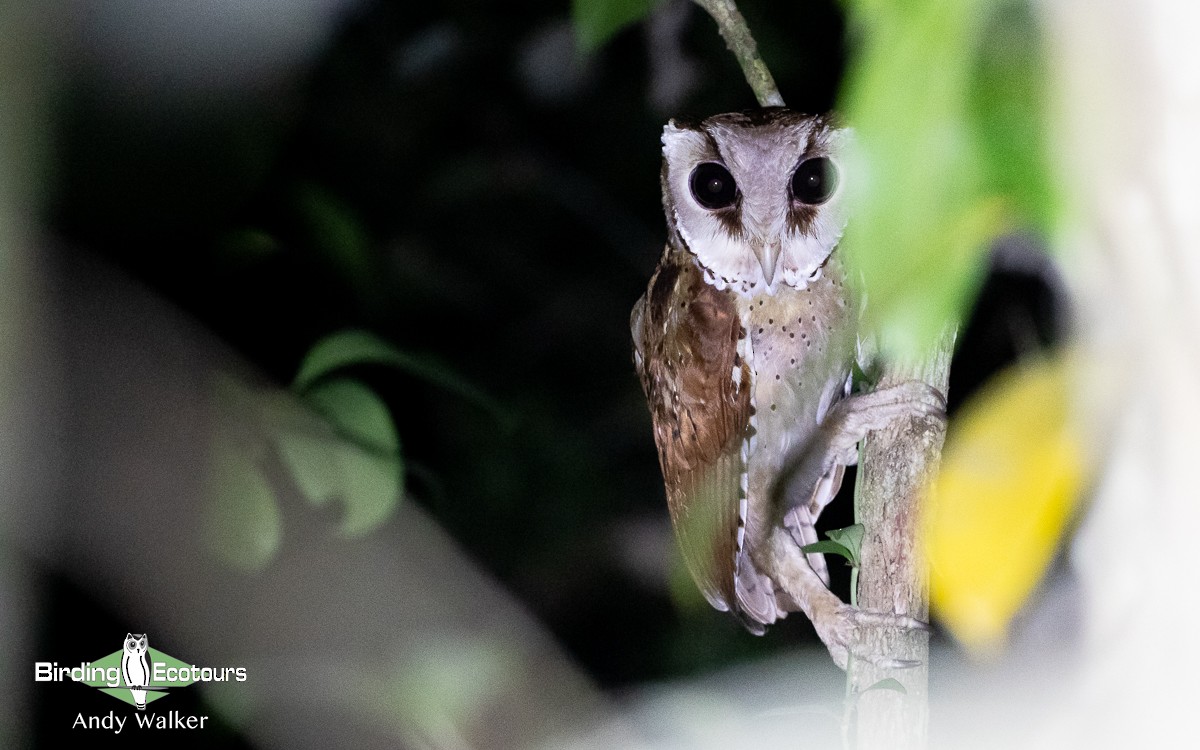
737,37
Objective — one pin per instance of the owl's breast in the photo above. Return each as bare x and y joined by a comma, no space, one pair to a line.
802,344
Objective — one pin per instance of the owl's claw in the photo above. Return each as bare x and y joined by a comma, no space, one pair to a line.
896,663
872,411
846,424
837,623
839,627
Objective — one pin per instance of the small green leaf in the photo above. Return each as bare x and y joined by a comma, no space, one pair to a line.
355,348
361,464
337,235
373,485
888,683
356,412
597,21
830,548
242,524
851,538
309,459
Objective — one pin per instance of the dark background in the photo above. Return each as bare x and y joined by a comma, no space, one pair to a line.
461,180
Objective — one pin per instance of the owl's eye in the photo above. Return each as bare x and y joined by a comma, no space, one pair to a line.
814,181
712,186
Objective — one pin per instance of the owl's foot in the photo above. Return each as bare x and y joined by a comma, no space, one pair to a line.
836,623
837,627
850,420
846,424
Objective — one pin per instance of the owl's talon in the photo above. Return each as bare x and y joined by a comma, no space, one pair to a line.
839,628
889,620
895,663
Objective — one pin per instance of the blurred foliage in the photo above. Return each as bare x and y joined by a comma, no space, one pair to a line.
596,21
346,449
948,104
360,348
353,457
362,466
242,521
1012,477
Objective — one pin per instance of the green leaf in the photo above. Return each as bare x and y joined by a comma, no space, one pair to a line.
1007,112
352,348
310,461
369,485
596,21
373,486
888,683
337,235
360,464
356,412
241,521
830,548
949,153
851,538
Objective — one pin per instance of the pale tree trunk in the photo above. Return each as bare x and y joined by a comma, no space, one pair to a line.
896,465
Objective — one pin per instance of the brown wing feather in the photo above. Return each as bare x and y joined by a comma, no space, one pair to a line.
686,334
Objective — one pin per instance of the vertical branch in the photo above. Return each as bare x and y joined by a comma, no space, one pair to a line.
895,468
737,37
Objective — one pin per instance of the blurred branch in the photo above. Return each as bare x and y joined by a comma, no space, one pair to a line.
896,464
737,37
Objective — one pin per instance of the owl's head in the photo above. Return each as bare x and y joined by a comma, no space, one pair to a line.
757,196
135,644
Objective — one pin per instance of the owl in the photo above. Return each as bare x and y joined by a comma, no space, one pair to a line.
135,669
744,342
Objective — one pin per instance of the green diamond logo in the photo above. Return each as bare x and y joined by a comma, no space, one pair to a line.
144,674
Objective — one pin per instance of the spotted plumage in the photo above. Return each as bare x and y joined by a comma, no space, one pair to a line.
744,342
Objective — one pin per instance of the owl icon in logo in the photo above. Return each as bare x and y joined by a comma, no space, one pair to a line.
135,668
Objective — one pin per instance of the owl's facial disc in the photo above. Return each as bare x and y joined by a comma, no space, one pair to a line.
755,197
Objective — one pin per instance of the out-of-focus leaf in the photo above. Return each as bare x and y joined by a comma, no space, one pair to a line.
447,682
361,464
354,347
948,154
245,247
242,525
1007,111
309,459
596,21
1011,479
372,491
356,412
337,235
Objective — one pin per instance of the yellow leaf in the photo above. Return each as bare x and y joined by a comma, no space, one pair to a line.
1011,478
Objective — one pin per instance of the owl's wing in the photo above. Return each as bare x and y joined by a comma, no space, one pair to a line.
686,335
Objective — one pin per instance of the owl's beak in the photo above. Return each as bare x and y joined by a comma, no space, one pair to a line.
768,257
